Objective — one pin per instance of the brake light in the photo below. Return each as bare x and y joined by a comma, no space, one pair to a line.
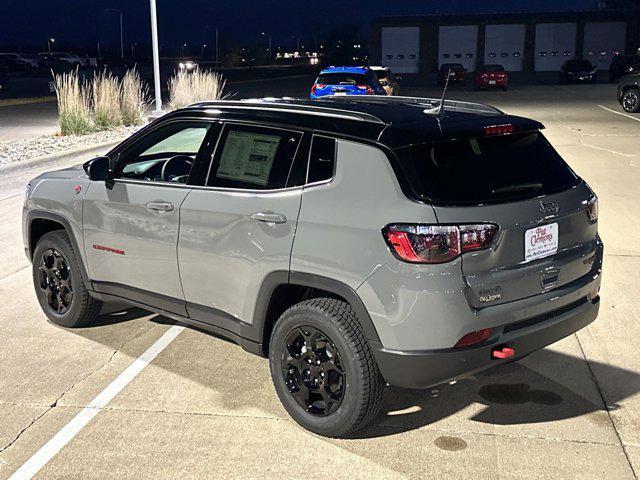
437,243
592,209
474,338
498,129
317,86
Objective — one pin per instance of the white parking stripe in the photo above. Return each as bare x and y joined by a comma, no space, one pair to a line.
637,119
71,429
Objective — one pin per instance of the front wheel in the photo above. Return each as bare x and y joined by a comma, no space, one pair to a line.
58,282
323,369
631,100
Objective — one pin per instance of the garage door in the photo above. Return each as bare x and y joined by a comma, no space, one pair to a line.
555,44
504,44
458,44
401,49
602,41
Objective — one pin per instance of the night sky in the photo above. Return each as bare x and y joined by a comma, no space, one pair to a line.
75,23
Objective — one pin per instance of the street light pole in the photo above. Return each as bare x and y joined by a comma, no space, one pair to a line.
49,42
156,58
121,30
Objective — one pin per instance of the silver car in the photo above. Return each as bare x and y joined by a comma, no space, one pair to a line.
354,242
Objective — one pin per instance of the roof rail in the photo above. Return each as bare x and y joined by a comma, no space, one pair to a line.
288,105
429,103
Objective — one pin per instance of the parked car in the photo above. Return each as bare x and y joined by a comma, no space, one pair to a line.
354,241
622,65
455,72
492,76
341,81
187,66
70,58
113,62
50,62
574,71
17,62
387,79
629,93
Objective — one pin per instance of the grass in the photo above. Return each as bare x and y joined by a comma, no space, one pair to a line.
73,103
200,85
104,104
106,92
134,99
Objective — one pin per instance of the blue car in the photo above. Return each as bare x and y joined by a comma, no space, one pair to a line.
340,81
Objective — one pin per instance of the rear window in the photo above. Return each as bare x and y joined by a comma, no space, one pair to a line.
493,68
486,169
451,66
343,79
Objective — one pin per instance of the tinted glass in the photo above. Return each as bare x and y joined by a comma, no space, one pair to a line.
254,158
451,66
493,68
165,154
381,74
580,64
343,79
486,170
322,159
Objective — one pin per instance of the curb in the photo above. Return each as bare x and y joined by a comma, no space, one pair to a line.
35,162
11,102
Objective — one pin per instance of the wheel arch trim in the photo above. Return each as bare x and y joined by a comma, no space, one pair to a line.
56,217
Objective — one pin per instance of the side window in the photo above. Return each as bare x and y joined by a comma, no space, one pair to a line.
253,158
322,159
164,155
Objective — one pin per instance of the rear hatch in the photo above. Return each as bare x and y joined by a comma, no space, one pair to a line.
342,83
517,181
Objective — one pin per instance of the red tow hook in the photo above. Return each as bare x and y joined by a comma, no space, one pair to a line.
503,352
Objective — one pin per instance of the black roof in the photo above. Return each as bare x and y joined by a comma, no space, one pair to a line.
392,121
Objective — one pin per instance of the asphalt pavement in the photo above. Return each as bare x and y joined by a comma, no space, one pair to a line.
203,408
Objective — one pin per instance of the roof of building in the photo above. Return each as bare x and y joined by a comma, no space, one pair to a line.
393,121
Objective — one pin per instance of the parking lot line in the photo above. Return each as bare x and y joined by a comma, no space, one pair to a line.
71,429
620,113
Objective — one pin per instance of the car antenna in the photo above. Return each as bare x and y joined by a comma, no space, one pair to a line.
444,94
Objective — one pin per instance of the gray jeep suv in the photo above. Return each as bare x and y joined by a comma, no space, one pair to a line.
353,242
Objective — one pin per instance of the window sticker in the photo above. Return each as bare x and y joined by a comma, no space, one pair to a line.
248,157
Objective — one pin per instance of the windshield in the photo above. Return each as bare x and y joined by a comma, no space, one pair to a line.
451,66
342,79
580,64
485,169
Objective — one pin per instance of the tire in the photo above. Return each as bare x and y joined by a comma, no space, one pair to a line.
352,399
631,100
58,282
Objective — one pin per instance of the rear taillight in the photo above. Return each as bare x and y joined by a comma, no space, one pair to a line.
592,209
498,129
317,86
437,243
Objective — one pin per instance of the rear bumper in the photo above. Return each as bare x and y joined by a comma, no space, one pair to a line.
423,369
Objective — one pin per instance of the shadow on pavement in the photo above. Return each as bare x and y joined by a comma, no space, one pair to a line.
547,386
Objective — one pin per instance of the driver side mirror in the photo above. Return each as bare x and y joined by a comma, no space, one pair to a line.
97,169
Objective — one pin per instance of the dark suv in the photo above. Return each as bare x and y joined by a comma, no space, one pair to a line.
622,65
577,71
629,93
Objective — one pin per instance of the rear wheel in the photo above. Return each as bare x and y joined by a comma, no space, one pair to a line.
631,100
58,283
323,369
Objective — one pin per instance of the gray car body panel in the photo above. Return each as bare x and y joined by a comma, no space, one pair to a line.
210,262
225,254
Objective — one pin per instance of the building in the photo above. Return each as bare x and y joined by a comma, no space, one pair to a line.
523,41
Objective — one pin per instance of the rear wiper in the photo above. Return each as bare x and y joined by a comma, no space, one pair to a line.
517,188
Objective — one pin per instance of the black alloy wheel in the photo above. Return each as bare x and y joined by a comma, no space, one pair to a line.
631,101
55,281
312,370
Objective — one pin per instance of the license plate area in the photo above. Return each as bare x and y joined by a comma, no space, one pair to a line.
492,82
540,242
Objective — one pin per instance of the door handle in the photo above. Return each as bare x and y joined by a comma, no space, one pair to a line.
160,206
269,217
